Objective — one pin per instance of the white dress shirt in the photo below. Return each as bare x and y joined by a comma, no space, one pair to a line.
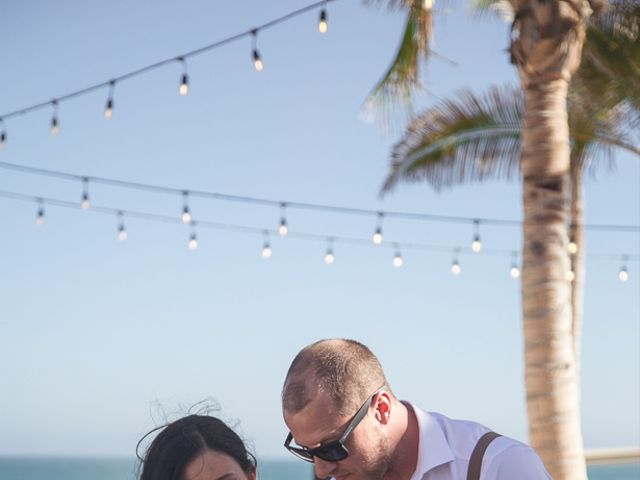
445,449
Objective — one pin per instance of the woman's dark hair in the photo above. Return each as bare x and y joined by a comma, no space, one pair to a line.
181,441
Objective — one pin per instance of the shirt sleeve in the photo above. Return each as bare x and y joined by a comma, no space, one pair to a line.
520,462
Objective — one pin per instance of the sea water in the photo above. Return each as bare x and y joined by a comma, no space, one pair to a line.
30,468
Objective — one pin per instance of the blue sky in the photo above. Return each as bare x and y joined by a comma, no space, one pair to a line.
98,338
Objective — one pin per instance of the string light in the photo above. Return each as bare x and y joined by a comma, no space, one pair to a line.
266,247
193,239
122,231
455,264
55,124
85,204
3,135
570,276
377,234
322,24
257,60
139,71
423,217
186,214
108,109
476,245
40,214
623,274
329,257
184,79
572,247
283,230
515,270
397,258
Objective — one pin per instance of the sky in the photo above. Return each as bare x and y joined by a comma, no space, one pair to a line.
102,340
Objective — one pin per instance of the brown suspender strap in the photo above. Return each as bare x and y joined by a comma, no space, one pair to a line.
475,462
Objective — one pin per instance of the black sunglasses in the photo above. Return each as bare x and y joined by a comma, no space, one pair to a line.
335,450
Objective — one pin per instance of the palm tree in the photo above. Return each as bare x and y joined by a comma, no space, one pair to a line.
546,48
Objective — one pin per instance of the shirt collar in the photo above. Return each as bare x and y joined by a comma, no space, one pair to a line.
433,448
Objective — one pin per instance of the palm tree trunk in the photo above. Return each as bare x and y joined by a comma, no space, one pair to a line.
546,47
550,362
576,233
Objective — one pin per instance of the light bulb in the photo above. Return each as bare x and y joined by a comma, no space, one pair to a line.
122,233
257,61
266,251
329,257
456,268
283,230
186,215
397,260
184,85
377,236
623,274
476,245
55,126
3,139
515,271
572,247
427,4
40,217
85,204
322,25
570,276
193,242
108,111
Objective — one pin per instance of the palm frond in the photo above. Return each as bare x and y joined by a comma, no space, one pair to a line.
397,87
611,57
467,139
502,8
472,138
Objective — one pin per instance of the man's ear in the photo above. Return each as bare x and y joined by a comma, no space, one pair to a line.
383,407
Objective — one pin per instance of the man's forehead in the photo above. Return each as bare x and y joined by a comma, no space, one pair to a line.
317,422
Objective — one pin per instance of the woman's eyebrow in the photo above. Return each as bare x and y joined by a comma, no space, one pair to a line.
228,476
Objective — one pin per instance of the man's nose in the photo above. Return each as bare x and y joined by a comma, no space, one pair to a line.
323,468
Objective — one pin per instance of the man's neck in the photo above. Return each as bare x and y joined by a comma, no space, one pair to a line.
405,454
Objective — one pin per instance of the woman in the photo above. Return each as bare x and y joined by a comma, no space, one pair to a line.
197,447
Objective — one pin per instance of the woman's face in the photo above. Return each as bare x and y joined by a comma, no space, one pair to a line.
213,465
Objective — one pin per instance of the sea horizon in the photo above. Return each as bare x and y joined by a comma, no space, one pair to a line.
116,467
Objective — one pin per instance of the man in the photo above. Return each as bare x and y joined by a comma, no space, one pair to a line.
344,418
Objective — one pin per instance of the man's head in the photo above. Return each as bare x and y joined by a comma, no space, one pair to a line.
337,404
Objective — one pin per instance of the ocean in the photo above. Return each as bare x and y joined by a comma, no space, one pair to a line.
28,468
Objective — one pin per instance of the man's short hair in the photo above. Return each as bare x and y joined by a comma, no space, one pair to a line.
344,369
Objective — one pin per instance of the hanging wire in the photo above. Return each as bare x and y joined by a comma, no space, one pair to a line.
254,230
428,217
161,63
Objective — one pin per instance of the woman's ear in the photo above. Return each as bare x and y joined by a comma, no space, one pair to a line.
252,475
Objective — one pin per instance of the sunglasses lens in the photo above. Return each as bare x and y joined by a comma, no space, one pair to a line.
331,452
